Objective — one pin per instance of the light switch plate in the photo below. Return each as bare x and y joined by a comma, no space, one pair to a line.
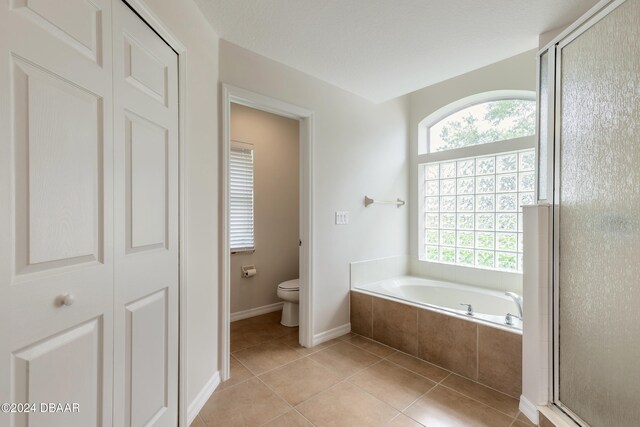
342,217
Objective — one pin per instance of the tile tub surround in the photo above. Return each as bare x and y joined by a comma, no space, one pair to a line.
348,381
482,353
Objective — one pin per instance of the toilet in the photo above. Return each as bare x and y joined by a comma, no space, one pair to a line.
289,292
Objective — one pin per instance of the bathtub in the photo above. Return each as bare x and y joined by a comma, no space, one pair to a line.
489,307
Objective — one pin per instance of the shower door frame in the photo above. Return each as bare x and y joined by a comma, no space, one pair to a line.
554,49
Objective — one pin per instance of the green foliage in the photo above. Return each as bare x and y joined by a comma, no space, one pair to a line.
448,255
466,257
485,259
505,119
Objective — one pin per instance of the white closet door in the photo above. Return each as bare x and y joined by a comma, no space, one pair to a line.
56,209
146,224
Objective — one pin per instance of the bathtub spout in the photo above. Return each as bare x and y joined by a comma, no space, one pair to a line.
517,299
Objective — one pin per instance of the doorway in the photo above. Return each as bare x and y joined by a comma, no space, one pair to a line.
238,98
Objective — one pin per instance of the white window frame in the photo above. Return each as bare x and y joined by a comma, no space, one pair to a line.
481,276
237,145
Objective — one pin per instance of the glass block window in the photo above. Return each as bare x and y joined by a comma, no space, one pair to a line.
473,209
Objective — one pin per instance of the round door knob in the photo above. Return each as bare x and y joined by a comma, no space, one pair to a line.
68,299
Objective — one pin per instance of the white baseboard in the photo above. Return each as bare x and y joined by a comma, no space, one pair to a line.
331,334
198,403
529,410
252,312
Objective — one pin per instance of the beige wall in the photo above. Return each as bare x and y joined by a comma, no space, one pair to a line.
188,25
515,73
360,148
275,142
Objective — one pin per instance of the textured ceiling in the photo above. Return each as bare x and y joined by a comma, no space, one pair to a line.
380,49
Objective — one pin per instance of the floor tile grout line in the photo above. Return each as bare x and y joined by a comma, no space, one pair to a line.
272,369
280,366
485,386
405,415
277,394
348,379
315,394
418,398
375,397
273,339
257,376
368,351
360,348
476,400
302,356
419,374
293,407
302,415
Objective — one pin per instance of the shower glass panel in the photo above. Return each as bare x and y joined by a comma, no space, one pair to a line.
598,196
543,126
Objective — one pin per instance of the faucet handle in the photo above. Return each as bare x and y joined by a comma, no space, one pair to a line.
508,319
469,308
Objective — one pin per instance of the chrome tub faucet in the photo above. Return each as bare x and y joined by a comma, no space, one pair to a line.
518,300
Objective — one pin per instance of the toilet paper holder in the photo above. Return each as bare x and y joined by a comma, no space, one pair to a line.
248,270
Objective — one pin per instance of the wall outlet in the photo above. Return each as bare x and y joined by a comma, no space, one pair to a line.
342,217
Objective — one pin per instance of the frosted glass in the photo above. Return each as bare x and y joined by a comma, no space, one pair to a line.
599,288
543,127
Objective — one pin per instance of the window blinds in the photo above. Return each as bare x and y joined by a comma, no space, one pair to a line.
241,198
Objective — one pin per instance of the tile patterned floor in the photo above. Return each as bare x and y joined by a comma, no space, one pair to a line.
349,381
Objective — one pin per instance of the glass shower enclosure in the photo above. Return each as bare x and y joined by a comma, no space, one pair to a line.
595,153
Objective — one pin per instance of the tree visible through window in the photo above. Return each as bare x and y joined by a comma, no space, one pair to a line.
483,123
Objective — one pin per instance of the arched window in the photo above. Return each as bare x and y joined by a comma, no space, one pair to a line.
477,169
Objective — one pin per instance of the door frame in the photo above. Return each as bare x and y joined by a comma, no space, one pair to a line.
152,20
236,95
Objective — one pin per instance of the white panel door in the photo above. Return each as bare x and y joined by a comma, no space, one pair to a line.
56,205
146,224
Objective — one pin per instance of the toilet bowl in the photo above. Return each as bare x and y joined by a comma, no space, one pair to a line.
289,292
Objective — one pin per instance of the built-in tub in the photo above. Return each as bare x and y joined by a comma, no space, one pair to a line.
424,318
488,306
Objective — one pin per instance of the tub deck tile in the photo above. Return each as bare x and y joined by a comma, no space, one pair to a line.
396,325
361,314
448,342
500,360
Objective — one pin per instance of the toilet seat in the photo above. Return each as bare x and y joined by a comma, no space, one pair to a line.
290,285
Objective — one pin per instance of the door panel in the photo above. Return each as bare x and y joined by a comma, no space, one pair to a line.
599,226
58,163
56,209
146,224
144,71
78,24
66,367
147,179
147,377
